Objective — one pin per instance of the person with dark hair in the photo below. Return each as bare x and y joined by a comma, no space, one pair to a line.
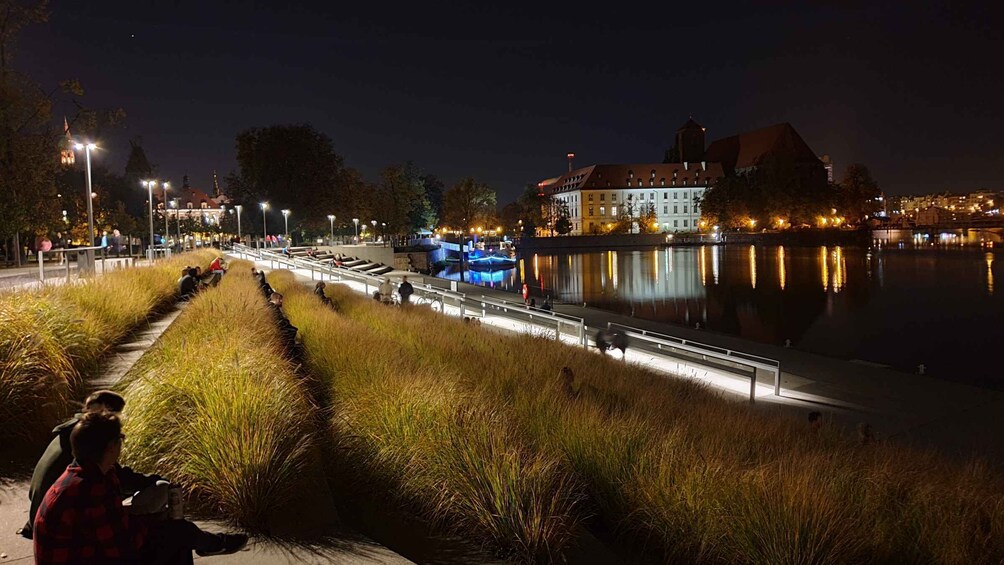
286,330
266,289
603,339
815,421
188,285
620,341
58,455
405,290
82,519
319,292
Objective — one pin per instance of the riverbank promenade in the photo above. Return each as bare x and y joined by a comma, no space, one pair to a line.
957,419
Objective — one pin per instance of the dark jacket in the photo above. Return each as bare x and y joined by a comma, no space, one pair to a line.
187,285
58,455
405,290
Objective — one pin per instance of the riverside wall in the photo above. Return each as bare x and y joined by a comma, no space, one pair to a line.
614,241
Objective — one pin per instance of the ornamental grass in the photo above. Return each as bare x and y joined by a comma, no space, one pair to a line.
217,407
51,339
671,468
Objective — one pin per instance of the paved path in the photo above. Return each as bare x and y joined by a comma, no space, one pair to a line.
956,419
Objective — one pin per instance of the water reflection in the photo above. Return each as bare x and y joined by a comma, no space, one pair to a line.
842,301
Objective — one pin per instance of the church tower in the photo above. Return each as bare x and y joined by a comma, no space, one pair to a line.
690,141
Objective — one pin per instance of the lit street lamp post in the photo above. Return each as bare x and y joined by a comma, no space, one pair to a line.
285,219
90,194
374,222
356,222
264,224
167,230
176,204
149,188
331,220
239,208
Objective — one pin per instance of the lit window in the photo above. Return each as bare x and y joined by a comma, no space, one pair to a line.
662,181
590,197
613,210
613,197
603,210
653,173
630,174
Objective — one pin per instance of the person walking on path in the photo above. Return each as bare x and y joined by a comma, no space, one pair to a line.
405,290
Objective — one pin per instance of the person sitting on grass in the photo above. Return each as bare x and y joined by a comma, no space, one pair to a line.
216,267
82,519
150,490
319,292
266,289
286,330
188,285
567,382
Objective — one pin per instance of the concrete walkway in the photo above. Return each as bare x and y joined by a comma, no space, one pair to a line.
957,419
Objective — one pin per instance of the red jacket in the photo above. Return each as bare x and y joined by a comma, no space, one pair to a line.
82,521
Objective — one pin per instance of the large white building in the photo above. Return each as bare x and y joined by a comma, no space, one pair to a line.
598,195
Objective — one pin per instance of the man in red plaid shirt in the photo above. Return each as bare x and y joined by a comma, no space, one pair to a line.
82,520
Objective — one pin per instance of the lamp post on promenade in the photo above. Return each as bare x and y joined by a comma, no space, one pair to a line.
285,219
356,222
149,188
88,147
175,203
374,222
239,208
264,224
167,230
331,220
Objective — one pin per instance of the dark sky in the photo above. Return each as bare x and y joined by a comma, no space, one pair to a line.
502,91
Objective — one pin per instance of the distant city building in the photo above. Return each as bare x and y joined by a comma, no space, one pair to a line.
598,195
193,203
980,203
828,166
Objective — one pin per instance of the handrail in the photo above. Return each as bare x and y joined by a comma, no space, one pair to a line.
706,350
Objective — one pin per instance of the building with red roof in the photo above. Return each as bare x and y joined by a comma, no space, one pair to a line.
597,195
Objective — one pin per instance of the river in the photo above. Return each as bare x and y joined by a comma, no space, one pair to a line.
896,306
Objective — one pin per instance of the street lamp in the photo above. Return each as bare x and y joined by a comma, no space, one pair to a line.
176,204
356,222
374,222
239,208
264,223
285,218
167,230
331,220
90,195
149,188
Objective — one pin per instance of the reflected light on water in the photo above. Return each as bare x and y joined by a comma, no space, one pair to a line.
752,255
714,262
824,262
781,274
839,264
655,265
990,272
536,267
613,261
522,270
702,264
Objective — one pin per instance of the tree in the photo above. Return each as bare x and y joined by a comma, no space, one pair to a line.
563,223
434,190
536,209
647,219
468,204
857,195
403,205
290,166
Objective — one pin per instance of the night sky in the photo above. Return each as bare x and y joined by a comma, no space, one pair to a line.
502,91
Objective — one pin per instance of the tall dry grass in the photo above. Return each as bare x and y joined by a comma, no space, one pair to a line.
669,464
50,339
216,406
460,460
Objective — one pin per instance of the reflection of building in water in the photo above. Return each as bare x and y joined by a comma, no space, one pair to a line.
990,273
782,275
753,266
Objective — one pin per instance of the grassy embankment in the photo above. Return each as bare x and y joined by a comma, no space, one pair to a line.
51,339
472,426
217,407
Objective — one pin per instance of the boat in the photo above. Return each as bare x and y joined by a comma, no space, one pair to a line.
491,263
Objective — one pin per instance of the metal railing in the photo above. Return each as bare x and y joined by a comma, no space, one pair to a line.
703,353
719,358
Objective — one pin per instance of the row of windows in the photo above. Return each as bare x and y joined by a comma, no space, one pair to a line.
665,196
662,182
665,210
